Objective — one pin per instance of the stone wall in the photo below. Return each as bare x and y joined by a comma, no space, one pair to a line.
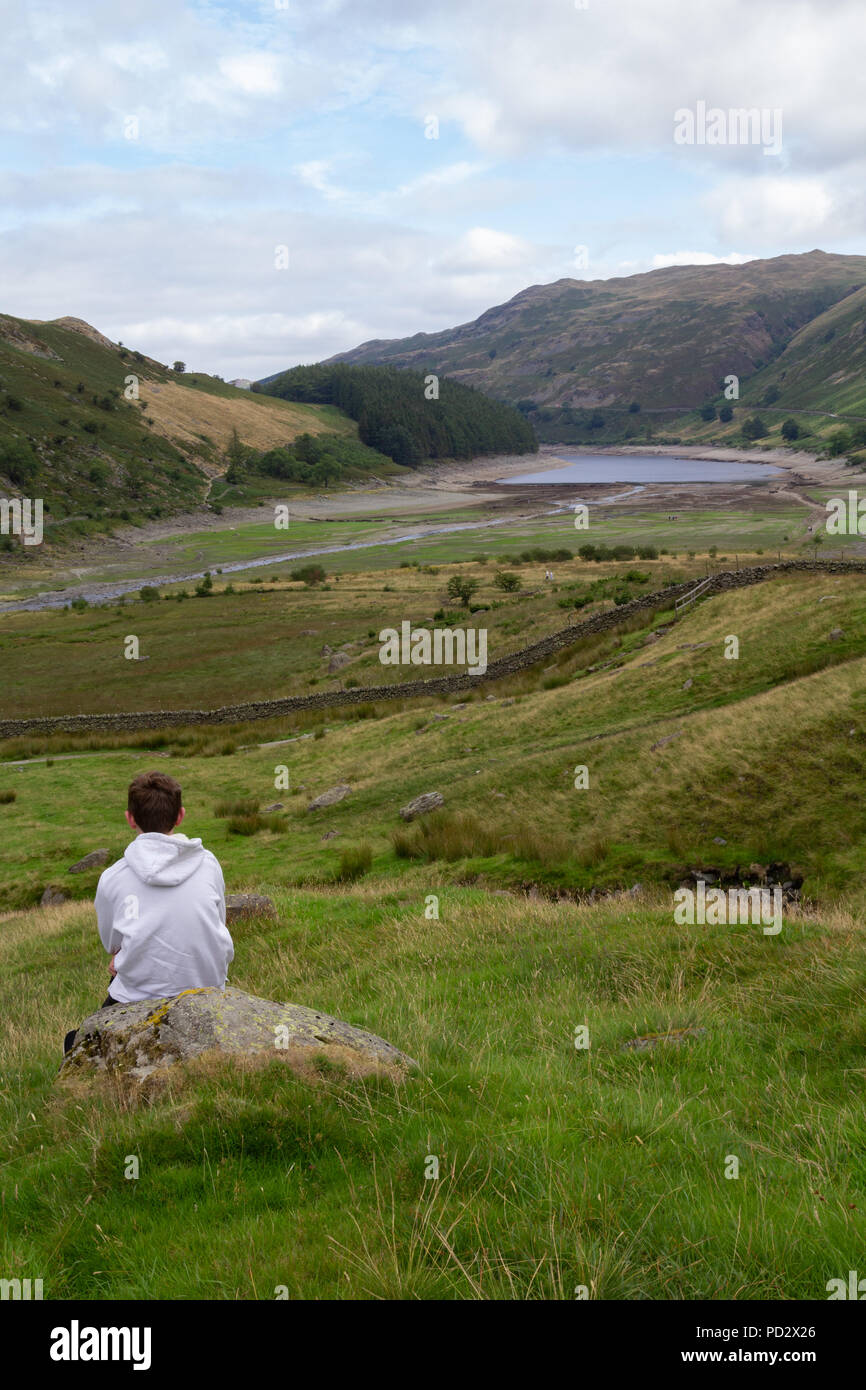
440,685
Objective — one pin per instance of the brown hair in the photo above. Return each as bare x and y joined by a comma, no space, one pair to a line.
154,801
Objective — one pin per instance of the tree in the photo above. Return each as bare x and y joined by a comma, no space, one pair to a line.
790,429
310,574
726,413
179,366
508,582
204,588
708,411
634,407
754,428
839,442
461,588
770,396
18,463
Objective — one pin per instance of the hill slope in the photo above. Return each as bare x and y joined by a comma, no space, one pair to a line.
665,339
561,1165
69,434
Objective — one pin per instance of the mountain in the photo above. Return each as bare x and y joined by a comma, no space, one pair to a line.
664,340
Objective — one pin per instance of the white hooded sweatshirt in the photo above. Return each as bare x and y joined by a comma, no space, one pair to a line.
162,910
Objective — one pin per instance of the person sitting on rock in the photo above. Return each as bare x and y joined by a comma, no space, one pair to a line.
161,909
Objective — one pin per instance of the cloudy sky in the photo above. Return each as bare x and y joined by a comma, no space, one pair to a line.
250,185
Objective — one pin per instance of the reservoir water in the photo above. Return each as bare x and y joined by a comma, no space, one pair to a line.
645,468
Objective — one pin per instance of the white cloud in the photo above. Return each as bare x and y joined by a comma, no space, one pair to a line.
255,74
784,211
485,249
660,261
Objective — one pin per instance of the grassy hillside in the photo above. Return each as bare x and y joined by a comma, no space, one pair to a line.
68,433
559,1166
664,340
263,635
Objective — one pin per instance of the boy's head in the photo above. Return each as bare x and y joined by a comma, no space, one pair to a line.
155,803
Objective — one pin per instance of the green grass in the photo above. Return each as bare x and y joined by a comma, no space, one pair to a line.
466,941
558,1166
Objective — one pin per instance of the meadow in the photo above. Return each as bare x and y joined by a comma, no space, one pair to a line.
561,1167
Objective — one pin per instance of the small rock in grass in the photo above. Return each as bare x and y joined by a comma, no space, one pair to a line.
242,905
91,861
330,797
420,805
675,1036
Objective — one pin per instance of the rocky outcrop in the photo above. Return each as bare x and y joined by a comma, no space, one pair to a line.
136,1041
91,861
241,905
330,797
421,805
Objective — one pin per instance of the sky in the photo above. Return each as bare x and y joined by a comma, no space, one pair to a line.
247,186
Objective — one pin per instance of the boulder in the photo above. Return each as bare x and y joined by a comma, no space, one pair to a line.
338,661
91,861
836,634
420,805
241,905
330,834
274,806
138,1040
327,651
51,897
330,797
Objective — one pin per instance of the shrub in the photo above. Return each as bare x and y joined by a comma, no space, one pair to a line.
148,594
246,807
244,825
355,861
6,797
508,582
310,575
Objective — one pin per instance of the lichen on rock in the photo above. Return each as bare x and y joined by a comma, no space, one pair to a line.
137,1040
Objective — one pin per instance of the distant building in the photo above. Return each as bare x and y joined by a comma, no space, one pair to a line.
243,383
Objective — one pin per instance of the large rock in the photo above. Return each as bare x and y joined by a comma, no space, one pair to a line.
330,797
137,1040
51,897
91,861
338,661
240,905
420,805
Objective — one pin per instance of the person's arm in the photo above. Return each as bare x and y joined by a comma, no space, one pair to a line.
221,889
108,934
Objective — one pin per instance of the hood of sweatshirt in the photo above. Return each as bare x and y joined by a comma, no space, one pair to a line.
164,860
